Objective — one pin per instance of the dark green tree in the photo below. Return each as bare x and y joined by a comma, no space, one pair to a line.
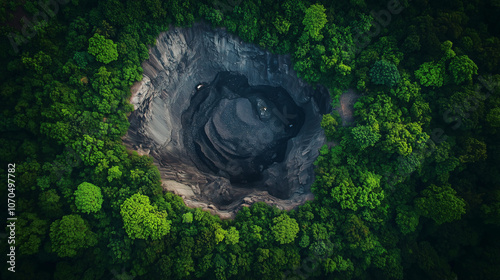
440,204
462,69
70,234
384,72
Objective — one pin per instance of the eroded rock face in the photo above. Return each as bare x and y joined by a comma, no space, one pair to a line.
250,133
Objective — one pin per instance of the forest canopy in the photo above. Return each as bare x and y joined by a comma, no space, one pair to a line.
410,190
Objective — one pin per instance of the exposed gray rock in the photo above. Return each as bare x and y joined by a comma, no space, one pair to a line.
181,60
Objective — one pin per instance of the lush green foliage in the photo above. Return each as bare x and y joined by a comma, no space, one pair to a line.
88,198
142,220
431,74
285,229
385,73
103,49
462,68
409,190
314,21
70,234
441,204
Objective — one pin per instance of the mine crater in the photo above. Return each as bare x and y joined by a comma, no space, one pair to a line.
236,131
227,123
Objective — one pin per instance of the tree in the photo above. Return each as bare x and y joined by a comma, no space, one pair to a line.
314,21
114,173
304,241
33,233
407,219
491,208
329,124
219,234
440,204
70,234
39,62
475,150
462,68
232,236
103,49
82,59
411,43
187,218
282,25
214,16
403,139
285,229
365,193
365,136
50,203
493,117
142,220
384,72
431,74
88,198
357,233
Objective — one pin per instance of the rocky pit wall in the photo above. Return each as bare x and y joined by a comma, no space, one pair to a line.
182,59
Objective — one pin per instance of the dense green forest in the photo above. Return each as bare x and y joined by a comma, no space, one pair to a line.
411,191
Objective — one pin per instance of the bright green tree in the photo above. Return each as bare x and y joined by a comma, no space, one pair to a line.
103,49
314,21
70,234
114,173
364,193
142,220
232,236
88,198
187,218
431,74
329,124
39,62
285,229
440,204
219,234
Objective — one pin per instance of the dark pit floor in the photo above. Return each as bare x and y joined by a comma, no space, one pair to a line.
237,130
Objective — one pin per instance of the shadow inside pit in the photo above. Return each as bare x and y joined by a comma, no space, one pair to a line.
237,131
